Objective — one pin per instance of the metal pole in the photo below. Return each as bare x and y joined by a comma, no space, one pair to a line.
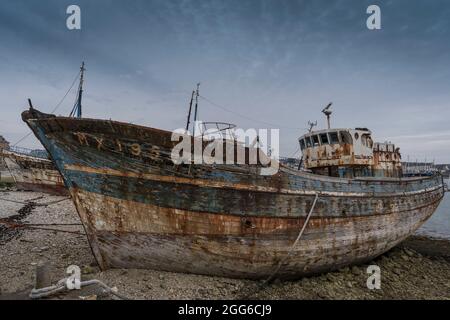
196,107
80,90
190,110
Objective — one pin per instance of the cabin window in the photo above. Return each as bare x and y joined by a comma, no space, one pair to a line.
308,142
315,140
324,138
334,139
302,144
366,140
346,137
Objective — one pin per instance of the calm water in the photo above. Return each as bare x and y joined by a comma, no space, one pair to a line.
438,225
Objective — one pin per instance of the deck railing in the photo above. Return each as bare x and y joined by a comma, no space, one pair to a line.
30,152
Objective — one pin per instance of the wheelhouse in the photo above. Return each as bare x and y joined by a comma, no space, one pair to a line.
349,153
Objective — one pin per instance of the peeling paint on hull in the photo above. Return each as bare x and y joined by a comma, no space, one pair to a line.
57,190
197,242
141,211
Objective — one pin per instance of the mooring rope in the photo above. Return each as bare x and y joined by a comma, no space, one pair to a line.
53,111
61,286
261,285
295,242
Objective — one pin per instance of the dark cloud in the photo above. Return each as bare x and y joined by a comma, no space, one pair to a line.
274,61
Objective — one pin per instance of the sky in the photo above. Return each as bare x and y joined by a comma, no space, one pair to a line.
261,64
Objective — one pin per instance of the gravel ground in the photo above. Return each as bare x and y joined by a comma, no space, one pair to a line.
419,268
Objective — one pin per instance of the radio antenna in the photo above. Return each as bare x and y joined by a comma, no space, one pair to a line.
327,111
311,125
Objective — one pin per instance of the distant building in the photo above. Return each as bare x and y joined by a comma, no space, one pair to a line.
419,168
290,162
3,143
444,169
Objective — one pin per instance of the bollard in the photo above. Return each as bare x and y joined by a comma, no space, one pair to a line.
43,278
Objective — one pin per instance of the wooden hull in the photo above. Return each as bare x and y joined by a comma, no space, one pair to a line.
34,174
141,211
133,235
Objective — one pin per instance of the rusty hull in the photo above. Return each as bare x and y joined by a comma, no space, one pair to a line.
142,211
387,162
334,155
34,174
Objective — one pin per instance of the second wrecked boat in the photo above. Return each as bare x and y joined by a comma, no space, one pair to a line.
33,171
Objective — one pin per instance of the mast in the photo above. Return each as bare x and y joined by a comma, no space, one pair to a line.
80,89
77,110
196,107
190,110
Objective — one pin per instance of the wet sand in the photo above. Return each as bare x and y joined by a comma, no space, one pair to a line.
419,268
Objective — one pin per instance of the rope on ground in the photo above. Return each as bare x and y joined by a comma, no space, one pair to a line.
62,286
14,224
35,203
11,224
54,224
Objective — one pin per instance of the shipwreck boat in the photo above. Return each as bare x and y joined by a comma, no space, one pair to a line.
31,170
141,210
